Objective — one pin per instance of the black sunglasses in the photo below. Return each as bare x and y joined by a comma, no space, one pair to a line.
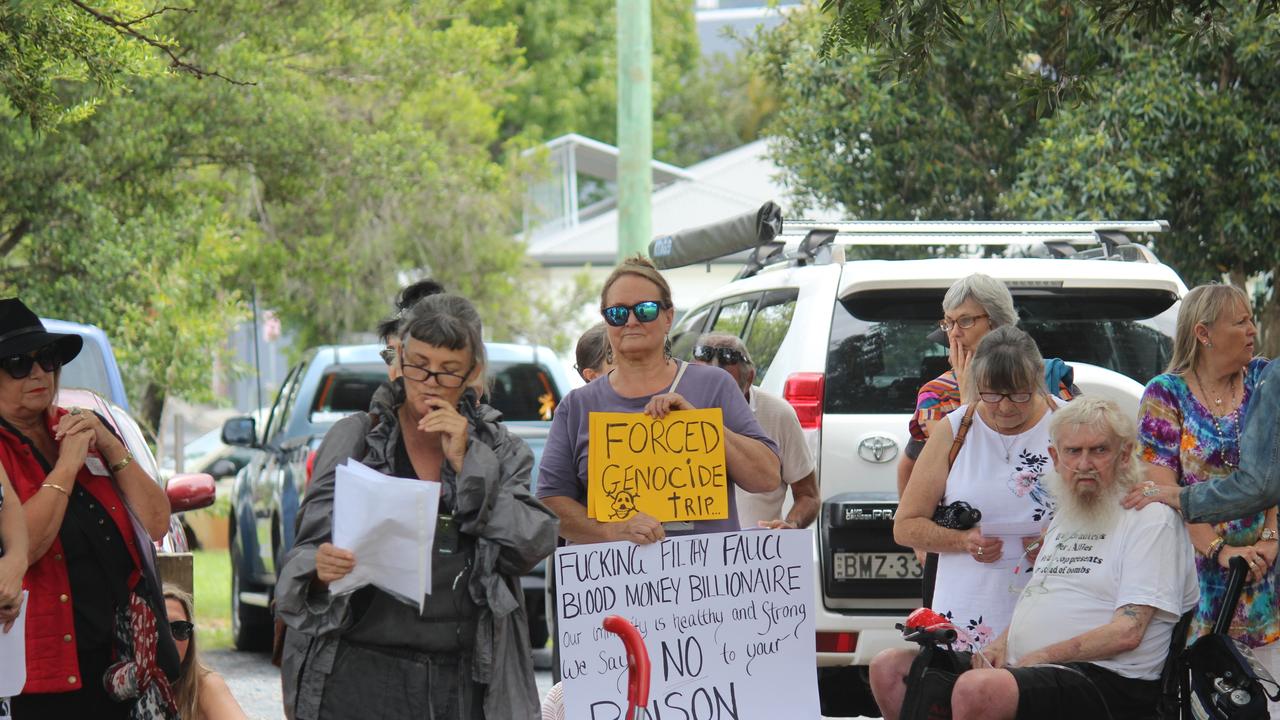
181,629
646,312
19,366
719,355
388,355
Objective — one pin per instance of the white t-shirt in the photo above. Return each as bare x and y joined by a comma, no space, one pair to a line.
779,421
1081,579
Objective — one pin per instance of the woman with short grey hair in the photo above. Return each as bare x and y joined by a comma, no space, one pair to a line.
989,293
465,655
991,454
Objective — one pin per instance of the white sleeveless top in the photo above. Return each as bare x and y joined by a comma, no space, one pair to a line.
979,597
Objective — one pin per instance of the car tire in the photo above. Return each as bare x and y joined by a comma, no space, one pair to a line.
250,625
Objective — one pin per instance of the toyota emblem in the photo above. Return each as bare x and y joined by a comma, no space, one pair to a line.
878,449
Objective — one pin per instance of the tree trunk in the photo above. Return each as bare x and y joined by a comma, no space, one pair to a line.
1269,320
151,407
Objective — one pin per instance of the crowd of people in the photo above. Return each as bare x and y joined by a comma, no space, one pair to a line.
1065,596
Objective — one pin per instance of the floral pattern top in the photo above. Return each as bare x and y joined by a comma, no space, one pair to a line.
1178,432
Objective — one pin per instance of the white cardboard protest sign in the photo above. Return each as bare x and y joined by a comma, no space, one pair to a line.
727,619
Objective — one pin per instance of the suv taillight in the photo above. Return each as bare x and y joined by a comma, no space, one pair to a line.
311,466
804,391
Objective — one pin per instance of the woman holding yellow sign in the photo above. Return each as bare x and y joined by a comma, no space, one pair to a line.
614,452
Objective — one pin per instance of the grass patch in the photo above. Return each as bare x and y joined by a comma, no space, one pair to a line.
212,579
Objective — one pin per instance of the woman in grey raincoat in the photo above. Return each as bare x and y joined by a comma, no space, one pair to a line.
466,655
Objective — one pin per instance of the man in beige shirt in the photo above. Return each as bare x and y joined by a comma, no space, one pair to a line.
779,421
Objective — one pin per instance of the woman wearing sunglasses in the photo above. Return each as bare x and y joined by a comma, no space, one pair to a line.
997,468
637,308
201,693
94,648
465,655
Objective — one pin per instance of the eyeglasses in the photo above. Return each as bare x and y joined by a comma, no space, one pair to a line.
646,312
995,397
963,322
181,629
443,378
718,354
19,366
388,355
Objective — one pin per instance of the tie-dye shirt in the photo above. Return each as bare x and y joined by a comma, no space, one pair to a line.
1178,432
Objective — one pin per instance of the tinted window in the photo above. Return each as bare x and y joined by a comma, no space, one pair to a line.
687,332
733,315
769,327
344,390
274,420
88,370
522,391
878,356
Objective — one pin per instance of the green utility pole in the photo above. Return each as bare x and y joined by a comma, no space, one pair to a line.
635,126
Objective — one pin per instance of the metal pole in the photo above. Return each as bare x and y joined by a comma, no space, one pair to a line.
635,126
179,443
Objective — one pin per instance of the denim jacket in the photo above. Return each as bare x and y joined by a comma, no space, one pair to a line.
1255,485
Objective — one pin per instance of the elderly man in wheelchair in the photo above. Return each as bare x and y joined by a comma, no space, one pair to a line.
1092,629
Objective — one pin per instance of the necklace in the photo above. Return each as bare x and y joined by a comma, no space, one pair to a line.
1217,398
1008,447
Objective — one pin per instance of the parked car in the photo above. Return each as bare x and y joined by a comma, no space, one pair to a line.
95,368
844,341
330,383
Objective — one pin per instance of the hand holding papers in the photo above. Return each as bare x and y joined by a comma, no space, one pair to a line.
390,524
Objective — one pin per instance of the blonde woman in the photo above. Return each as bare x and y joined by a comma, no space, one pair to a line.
1189,426
201,694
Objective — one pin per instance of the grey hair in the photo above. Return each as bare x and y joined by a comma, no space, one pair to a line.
988,292
1104,415
446,321
1006,360
729,340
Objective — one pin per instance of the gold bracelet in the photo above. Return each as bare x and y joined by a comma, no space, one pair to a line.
124,462
1214,548
57,487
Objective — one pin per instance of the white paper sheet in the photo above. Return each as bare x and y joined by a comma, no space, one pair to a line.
13,654
390,525
1011,534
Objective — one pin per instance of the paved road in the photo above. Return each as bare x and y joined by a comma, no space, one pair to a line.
256,682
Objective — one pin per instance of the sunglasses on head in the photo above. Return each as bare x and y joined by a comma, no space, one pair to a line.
718,355
181,629
647,311
19,366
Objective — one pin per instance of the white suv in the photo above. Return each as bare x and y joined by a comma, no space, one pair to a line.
844,341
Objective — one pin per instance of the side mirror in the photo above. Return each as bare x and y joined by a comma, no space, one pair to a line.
190,492
240,431
222,468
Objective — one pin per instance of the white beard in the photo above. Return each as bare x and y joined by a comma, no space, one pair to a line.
1085,511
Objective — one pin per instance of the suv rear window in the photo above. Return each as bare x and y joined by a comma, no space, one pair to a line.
522,391
344,391
878,356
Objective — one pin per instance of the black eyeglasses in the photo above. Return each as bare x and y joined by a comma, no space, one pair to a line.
995,397
19,366
418,373
718,354
181,629
388,355
646,312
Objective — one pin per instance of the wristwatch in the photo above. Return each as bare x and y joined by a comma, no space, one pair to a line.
1269,534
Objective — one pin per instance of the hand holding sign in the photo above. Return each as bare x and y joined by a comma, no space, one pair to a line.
667,463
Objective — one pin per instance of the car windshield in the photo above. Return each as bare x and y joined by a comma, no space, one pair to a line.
879,355
88,370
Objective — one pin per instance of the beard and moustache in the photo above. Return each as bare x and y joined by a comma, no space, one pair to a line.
1091,508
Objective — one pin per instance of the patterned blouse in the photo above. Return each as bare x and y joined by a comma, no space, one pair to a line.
1178,432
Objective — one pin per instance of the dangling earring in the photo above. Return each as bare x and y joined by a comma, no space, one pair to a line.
666,347
608,354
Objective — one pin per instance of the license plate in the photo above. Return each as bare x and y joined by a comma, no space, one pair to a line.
876,566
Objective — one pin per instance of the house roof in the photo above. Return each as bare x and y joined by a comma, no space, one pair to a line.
734,182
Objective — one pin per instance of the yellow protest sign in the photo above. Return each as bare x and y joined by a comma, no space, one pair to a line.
673,468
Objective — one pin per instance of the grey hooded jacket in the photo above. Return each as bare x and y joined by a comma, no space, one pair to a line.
492,502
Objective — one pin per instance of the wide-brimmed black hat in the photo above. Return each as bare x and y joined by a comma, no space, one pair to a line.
21,332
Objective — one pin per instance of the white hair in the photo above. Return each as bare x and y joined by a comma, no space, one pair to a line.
988,292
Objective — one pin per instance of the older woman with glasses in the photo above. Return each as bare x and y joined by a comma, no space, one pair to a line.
636,306
992,454
94,646
466,655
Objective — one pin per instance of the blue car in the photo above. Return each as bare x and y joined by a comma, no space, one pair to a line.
95,367
331,382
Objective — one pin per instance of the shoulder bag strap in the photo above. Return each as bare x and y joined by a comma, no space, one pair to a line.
679,374
961,432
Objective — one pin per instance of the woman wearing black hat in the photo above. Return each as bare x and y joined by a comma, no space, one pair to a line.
94,646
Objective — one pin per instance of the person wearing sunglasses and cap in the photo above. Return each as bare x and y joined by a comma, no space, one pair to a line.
636,305
201,693
94,648
778,419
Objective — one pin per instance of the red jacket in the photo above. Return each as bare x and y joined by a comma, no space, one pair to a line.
51,636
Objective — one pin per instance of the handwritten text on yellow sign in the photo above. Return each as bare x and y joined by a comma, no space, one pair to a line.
673,468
